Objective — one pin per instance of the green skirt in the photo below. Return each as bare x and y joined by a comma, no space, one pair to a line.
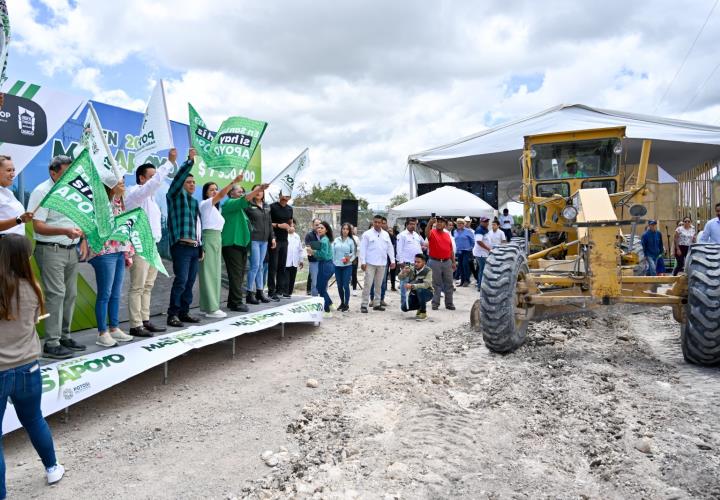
210,269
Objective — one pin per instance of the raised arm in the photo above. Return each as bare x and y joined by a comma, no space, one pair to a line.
224,191
251,194
182,174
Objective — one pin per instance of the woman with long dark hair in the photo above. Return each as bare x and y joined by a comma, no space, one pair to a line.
261,233
212,223
21,305
344,253
109,265
324,257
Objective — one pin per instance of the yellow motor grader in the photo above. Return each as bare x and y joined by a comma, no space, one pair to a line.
583,219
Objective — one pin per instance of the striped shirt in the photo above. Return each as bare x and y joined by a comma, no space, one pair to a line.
183,211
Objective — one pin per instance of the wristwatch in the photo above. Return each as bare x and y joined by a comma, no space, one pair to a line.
18,220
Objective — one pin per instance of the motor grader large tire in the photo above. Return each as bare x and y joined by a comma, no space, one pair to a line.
700,334
499,304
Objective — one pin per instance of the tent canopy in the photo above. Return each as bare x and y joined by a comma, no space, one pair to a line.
494,153
447,200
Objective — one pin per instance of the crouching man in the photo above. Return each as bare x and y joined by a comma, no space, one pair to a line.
418,286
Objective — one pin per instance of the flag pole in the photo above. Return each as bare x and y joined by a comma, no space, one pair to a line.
108,153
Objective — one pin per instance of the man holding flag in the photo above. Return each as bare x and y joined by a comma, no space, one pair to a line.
56,241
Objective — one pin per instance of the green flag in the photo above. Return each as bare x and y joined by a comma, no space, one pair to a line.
235,142
134,226
200,137
80,195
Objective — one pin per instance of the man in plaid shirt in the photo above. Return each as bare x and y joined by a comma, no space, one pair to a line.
185,244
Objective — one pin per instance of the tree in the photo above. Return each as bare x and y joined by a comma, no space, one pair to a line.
331,194
396,200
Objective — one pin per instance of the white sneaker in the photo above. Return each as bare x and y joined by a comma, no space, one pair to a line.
216,314
121,336
327,315
354,293
55,473
105,340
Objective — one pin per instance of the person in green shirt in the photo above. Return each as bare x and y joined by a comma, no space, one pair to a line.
572,170
326,268
235,241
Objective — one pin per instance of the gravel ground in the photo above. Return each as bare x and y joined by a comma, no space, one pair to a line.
380,406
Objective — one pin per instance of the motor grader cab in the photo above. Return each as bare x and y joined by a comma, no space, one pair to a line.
583,215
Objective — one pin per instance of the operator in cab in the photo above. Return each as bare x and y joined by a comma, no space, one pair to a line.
572,170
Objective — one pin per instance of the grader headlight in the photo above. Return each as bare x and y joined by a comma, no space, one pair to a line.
569,213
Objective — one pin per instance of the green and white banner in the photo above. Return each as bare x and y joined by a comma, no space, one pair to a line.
80,195
134,226
200,137
234,143
155,134
4,41
93,140
284,183
65,383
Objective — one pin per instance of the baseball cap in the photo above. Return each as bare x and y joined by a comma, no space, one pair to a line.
652,222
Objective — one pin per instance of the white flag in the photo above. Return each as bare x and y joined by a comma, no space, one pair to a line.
155,133
284,183
94,141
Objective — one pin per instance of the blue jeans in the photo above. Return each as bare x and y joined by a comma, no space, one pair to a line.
185,261
342,278
481,266
313,278
258,249
651,261
464,266
424,296
383,288
23,385
109,274
325,271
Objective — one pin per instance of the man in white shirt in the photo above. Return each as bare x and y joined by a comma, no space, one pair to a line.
506,223
142,275
711,231
495,236
56,254
481,250
12,214
409,244
375,249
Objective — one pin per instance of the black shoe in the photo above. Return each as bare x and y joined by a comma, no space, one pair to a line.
393,289
140,331
250,299
56,352
150,327
286,296
465,284
239,308
450,307
435,307
69,343
379,308
261,297
175,322
363,309
186,318
274,297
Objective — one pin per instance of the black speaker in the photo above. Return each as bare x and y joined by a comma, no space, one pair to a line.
349,212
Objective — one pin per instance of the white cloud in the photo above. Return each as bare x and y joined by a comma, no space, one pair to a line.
366,83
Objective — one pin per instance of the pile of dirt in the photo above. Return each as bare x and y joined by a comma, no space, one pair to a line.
583,409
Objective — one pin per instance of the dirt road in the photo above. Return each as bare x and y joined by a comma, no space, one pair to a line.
600,406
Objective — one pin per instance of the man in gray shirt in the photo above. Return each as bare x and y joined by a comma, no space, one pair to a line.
56,253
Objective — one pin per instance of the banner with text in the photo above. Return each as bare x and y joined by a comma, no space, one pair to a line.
65,383
234,143
134,226
80,195
155,134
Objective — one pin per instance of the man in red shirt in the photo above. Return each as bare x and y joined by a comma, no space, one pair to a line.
442,262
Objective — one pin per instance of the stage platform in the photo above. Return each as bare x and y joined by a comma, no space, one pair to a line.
69,381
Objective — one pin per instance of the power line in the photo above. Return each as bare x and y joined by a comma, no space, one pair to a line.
702,28
701,87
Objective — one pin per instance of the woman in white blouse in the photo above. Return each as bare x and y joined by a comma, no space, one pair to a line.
12,214
210,266
684,237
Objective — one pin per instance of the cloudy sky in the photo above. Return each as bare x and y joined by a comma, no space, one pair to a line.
364,84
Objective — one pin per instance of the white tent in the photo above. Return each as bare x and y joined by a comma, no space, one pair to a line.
447,200
493,154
